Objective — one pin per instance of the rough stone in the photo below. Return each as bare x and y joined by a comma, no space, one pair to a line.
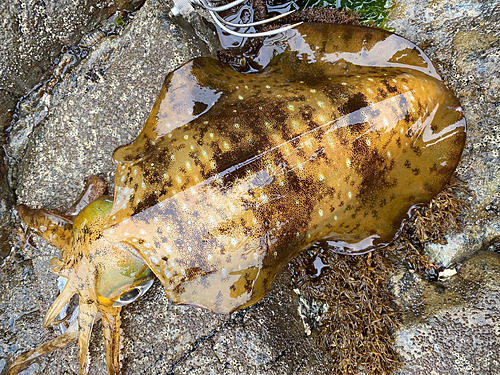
452,326
33,33
31,37
100,104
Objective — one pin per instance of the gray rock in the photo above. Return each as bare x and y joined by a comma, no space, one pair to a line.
267,338
463,40
31,37
6,202
452,326
33,33
101,104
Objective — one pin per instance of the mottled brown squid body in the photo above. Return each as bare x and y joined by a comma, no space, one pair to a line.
233,175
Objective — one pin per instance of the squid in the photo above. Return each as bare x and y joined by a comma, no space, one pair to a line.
336,134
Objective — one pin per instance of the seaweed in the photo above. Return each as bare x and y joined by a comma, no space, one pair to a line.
430,223
357,324
321,14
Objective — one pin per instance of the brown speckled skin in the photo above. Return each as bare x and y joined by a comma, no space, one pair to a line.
340,133
235,174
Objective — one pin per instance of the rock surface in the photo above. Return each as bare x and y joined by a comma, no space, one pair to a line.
103,102
452,326
463,40
33,33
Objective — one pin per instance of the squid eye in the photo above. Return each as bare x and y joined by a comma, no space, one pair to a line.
133,294
130,296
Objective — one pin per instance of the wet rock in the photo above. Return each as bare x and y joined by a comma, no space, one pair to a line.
6,202
267,338
104,101
22,305
33,33
452,325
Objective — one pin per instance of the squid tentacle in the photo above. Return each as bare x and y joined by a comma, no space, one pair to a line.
25,359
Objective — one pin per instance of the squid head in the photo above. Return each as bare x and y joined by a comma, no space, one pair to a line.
105,275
